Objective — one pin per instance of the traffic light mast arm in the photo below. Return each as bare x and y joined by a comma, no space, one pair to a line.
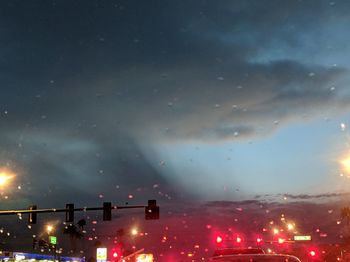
57,210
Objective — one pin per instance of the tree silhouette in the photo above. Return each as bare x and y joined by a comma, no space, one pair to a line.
74,233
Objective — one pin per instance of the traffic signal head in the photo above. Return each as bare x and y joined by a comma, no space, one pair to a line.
32,216
107,211
313,253
69,212
152,210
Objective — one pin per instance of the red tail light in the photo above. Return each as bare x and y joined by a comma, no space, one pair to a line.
219,240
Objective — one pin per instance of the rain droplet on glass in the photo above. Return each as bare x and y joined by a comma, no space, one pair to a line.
342,126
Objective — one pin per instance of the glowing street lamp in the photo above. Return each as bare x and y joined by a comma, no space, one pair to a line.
290,226
134,231
49,229
5,177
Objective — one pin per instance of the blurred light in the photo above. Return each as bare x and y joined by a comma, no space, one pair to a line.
115,254
134,231
5,177
49,229
312,253
259,240
346,164
238,239
219,239
275,231
290,226
281,240
144,258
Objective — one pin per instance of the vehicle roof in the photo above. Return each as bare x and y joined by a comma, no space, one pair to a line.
236,251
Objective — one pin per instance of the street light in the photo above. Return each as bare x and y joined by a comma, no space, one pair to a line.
49,229
5,177
134,231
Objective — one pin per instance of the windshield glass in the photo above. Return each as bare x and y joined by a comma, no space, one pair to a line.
173,129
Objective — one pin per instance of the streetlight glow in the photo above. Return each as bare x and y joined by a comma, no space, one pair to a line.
5,177
134,232
49,229
346,165
290,226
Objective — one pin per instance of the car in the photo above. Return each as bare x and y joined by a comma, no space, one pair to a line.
237,251
255,258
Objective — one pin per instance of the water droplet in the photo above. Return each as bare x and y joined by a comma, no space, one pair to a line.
342,126
220,78
311,74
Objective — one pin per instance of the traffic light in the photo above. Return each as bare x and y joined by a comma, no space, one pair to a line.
70,213
313,254
107,211
115,254
32,215
152,210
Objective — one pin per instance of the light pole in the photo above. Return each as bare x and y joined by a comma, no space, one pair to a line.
52,239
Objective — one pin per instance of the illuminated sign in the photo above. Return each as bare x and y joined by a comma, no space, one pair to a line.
144,258
53,240
101,254
302,238
20,257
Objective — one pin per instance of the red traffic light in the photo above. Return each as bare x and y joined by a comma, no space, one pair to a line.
312,253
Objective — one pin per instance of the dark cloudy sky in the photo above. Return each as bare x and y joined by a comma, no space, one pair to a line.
213,100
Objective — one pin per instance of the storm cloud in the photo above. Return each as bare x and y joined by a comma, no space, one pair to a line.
84,86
